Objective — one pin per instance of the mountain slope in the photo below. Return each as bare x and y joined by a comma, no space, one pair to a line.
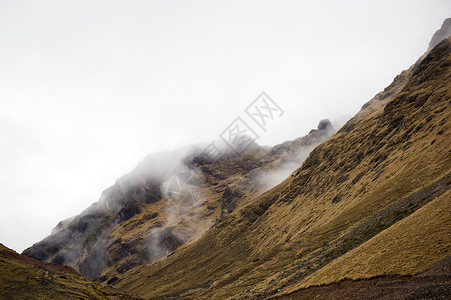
135,222
424,237
22,277
388,162
419,240
434,283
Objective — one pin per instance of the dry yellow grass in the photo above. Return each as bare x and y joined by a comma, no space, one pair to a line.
381,167
408,247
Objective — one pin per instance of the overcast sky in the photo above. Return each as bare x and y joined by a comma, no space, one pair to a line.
88,88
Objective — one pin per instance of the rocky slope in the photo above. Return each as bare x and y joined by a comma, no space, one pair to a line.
22,277
373,200
137,221
441,34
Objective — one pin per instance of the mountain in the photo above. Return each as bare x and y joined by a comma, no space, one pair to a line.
365,208
441,34
136,221
371,201
22,277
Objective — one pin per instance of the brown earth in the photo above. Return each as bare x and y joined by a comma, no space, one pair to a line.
22,277
434,283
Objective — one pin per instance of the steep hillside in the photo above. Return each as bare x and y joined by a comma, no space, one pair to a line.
22,277
434,283
137,221
376,191
401,247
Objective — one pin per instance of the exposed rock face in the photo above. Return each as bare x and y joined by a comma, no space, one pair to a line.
130,209
325,125
133,223
442,33
380,100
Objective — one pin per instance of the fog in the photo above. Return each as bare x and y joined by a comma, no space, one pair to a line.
89,88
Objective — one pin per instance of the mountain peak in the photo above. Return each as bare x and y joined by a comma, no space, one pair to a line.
441,34
324,124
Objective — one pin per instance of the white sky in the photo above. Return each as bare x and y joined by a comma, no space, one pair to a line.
88,88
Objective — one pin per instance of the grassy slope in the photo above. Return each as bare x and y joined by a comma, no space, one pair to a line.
379,168
22,277
422,238
433,283
407,247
